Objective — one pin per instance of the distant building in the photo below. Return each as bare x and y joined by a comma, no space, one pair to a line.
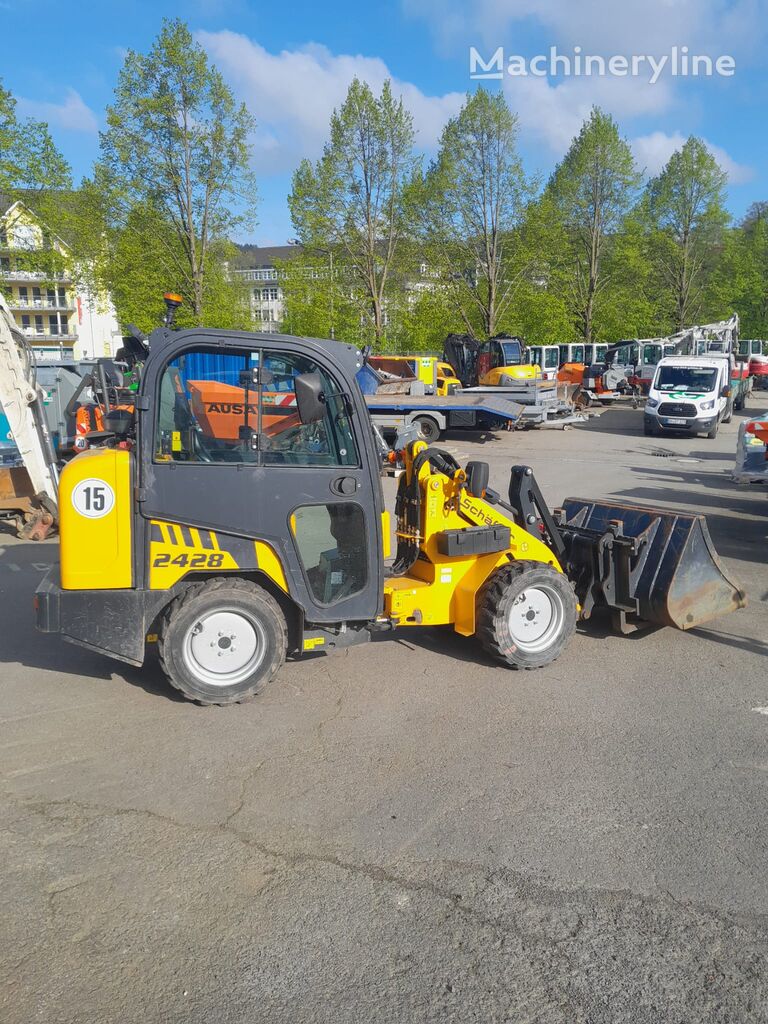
61,319
260,275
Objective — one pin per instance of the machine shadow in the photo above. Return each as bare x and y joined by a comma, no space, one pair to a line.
22,566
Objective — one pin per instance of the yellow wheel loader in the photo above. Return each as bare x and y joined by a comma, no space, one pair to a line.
237,516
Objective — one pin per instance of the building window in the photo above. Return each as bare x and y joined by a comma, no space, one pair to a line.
24,236
64,321
38,324
257,294
272,294
26,323
53,324
23,296
5,264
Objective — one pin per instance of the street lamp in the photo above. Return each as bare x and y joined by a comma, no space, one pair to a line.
329,254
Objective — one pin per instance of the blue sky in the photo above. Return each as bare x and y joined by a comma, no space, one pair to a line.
292,63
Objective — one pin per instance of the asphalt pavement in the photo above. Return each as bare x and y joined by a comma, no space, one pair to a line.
405,832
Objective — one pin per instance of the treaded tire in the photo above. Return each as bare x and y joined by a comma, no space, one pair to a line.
494,604
428,428
712,434
226,596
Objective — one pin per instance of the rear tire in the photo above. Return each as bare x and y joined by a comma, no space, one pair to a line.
222,641
526,614
429,429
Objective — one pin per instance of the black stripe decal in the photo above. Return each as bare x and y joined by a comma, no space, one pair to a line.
187,537
156,534
205,539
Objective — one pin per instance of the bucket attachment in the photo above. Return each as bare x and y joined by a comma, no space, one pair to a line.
643,563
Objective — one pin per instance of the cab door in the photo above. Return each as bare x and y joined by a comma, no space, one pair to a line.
223,450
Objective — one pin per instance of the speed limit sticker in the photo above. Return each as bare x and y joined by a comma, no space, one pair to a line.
93,498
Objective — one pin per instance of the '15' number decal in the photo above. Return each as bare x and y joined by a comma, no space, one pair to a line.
93,498
212,561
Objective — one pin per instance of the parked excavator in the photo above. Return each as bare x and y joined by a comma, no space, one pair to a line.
498,362
234,547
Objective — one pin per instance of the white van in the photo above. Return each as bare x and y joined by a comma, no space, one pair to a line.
689,393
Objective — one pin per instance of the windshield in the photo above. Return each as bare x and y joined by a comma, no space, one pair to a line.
686,378
512,352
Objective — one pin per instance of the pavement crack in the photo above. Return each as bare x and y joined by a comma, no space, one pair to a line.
245,782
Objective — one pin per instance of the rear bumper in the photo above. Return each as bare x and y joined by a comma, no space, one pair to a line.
113,622
47,606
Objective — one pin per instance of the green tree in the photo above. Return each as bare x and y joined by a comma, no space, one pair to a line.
30,163
34,171
740,279
320,305
685,206
591,191
176,144
350,202
471,207
141,259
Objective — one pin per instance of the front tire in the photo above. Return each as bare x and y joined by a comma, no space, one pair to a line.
526,614
222,641
712,434
428,428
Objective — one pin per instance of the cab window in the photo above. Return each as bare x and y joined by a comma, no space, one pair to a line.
239,406
651,353
551,359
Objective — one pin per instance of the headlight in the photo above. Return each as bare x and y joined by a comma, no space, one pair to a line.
708,405
651,403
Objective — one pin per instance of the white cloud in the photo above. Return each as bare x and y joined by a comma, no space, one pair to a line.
293,93
552,110
72,115
601,26
554,113
654,150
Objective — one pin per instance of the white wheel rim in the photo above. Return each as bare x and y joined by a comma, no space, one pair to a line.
224,647
536,619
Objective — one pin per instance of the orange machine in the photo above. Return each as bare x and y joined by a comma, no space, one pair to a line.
220,409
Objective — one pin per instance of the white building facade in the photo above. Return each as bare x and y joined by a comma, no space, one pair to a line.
61,319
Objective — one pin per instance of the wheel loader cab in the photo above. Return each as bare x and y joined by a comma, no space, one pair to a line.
225,453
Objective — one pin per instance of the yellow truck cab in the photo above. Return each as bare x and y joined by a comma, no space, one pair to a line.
447,381
437,376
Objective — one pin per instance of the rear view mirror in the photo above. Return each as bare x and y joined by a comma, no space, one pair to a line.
310,397
725,392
